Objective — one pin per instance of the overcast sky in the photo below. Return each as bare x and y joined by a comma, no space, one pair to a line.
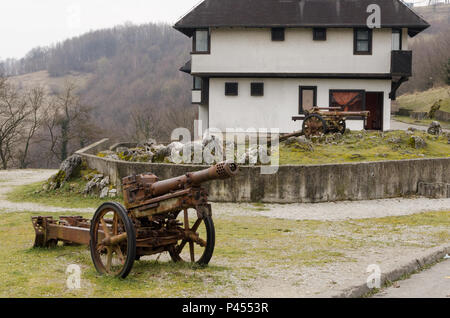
25,24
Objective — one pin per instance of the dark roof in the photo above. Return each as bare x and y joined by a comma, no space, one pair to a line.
298,13
186,68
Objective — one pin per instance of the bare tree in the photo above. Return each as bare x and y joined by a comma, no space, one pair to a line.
13,112
67,121
35,99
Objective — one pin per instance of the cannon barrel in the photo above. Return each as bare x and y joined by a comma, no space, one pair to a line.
223,170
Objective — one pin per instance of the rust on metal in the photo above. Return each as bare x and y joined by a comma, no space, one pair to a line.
323,120
151,222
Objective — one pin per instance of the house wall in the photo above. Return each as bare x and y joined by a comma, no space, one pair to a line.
280,102
252,50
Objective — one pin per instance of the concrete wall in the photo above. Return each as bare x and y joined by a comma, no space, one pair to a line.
252,50
280,102
312,183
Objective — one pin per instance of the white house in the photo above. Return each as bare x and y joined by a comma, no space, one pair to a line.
258,63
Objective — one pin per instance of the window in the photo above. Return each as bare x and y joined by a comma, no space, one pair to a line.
348,100
257,89
319,34
277,34
201,41
396,39
231,89
362,41
197,83
308,98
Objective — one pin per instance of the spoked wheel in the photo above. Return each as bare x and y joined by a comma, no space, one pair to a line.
198,244
113,240
314,125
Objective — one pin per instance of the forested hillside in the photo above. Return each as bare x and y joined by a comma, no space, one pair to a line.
134,76
431,51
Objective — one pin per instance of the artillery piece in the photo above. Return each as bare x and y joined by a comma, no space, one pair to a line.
150,223
322,120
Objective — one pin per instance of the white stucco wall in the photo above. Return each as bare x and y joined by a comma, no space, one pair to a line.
279,103
196,96
252,50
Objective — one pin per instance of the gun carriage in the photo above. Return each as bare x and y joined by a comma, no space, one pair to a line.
171,216
323,120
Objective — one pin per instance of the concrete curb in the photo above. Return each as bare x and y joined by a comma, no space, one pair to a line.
417,263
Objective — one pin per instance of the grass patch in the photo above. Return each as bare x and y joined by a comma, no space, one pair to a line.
422,101
68,196
245,248
366,146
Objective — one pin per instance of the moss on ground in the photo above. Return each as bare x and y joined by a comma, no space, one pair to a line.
366,146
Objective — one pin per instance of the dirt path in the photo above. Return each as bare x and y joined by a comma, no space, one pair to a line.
13,178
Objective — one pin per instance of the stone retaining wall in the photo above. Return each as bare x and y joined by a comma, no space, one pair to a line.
294,183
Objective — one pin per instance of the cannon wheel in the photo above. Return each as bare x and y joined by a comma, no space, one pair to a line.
314,125
202,238
114,259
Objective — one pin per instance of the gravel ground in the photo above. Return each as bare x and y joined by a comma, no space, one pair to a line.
335,211
398,125
13,178
330,211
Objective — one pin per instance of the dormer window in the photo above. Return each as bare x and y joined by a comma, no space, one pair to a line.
201,41
362,42
277,34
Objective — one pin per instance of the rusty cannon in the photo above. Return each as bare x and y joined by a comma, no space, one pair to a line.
171,216
323,120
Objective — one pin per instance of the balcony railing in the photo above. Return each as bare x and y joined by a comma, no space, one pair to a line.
401,63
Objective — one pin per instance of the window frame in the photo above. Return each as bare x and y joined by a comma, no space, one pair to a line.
194,42
300,104
315,32
369,41
400,32
274,33
254,91
227,92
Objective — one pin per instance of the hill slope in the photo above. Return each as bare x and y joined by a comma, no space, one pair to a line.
120,71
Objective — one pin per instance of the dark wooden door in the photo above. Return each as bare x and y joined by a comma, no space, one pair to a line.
374,104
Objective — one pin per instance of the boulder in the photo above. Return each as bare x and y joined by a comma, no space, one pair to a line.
70,167
104,193
417,142
112,193
435,128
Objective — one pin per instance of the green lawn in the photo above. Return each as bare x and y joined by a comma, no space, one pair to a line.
368,146
245,248
68,196
422,101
